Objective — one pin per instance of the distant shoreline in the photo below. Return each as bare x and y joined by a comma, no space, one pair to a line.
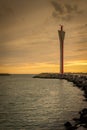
4,74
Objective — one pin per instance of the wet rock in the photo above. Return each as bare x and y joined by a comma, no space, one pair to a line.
83,116
80,123
69,126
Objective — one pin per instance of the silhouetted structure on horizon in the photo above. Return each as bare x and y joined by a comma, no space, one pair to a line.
61,38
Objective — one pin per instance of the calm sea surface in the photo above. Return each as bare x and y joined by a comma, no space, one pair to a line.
37,104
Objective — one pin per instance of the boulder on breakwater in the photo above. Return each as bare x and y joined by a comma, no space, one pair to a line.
80,122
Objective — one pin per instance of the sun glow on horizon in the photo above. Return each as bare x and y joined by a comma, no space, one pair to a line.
74,66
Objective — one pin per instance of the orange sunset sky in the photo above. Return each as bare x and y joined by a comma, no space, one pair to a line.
29,40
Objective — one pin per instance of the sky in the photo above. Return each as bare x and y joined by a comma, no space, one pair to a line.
29,40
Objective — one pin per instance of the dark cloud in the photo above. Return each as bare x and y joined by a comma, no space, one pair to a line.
57,7
6,14
72,8
65,11
66,17
5,10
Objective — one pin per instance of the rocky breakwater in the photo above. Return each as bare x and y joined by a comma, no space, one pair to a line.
79,123
80,80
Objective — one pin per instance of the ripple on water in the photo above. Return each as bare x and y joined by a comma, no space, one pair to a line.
37,104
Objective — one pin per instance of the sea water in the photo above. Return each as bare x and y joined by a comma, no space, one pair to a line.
28,103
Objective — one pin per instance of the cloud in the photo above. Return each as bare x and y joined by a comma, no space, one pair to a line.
82,50
6,12
72,8
65,11
58,7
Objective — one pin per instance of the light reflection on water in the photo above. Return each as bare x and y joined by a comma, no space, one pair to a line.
37,104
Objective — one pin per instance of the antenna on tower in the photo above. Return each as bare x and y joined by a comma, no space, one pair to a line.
61,27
